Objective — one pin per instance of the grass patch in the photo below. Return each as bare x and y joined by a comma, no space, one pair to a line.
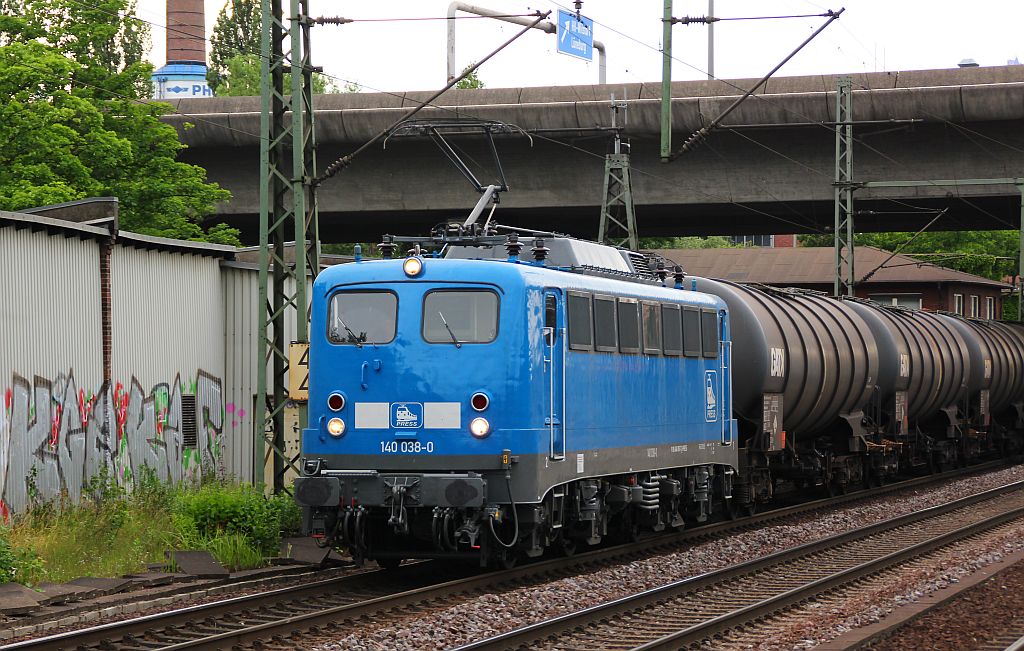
111,532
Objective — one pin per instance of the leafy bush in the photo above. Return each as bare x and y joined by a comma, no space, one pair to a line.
219,508
8,559
289,515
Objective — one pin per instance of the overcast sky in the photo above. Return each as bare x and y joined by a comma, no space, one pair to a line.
871,35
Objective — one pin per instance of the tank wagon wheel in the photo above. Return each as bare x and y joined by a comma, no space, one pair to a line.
565,546
389,563
506,559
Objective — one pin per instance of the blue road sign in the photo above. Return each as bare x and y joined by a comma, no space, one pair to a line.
575,35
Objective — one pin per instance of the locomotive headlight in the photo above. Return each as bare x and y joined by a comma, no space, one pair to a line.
336,427
479,427
412,267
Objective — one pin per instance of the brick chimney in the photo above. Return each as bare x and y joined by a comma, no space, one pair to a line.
186,31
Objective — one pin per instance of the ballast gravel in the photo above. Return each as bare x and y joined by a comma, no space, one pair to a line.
491,614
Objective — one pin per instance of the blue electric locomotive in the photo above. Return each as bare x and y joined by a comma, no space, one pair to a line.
481,405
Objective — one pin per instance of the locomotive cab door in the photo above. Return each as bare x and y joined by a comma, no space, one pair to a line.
555,346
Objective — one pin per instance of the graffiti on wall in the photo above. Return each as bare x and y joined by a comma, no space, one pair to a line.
55,436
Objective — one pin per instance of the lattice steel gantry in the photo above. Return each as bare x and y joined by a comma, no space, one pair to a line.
843,186
287,198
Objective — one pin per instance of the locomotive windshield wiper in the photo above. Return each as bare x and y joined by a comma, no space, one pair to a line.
352,338
455,339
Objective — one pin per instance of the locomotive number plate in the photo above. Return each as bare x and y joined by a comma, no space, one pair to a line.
407,447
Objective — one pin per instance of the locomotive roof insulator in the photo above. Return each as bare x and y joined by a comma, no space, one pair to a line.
678,275
387,247
540,252
513,246
661,271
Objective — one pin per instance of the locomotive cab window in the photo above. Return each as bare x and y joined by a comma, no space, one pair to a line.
672,329
629,325
606,333
359,318
652,328
691,332
581,333
709,330
462,316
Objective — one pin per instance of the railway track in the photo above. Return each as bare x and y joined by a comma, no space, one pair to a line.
738,604
262,618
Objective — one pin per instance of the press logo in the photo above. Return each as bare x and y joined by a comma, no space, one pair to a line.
710,396
406,415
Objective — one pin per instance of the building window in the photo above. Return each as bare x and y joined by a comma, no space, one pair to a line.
753,240
990,307
958,303
912,301
975,306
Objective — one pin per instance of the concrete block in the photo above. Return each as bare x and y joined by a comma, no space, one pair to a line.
199,564
305,551
152,579
59,593
16,599
101,585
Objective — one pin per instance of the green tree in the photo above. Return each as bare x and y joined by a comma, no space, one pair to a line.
991,254
709,242
472,80
235,33
76,123
235,54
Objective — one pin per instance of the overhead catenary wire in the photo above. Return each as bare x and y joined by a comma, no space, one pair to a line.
559,142
699,135
460,113
902,246
346,160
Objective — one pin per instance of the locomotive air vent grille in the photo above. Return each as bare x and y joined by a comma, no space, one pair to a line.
188,421
640,264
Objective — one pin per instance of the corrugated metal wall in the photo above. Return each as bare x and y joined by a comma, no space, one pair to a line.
242,350
241,337
167,315
51,360
181,323
49,307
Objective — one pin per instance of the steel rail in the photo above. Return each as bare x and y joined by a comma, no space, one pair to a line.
177,621
549,629
773,605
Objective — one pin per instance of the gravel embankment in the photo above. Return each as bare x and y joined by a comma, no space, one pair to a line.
979,615
491,614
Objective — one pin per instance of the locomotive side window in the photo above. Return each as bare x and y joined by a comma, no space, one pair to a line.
652,328
691,332
629,325
672,327
461,316
581,333
606,334
362,318
709,329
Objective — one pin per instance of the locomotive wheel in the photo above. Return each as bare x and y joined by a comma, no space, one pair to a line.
565,546
506,559
389,563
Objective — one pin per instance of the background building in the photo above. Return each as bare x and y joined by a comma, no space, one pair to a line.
901,280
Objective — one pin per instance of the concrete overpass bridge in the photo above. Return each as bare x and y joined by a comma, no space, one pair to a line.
770,172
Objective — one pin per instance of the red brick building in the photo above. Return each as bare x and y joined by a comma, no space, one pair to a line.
900,281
